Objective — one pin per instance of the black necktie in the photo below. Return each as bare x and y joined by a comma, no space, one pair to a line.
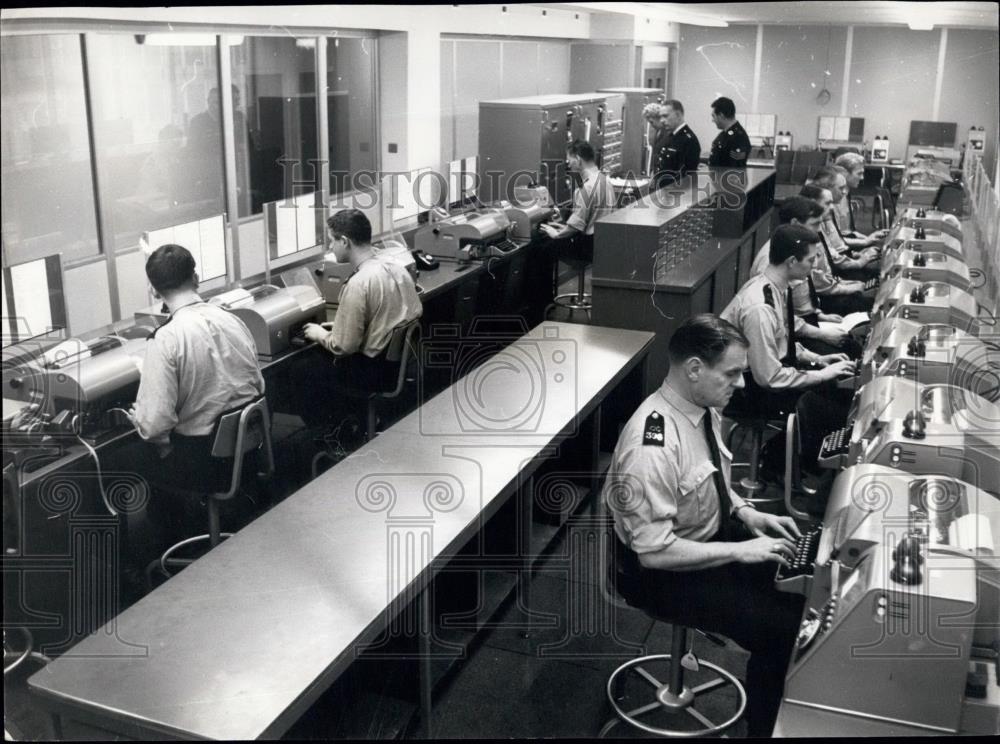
813,297
790,319
833,217
725,503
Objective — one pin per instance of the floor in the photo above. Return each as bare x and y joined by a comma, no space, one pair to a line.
537,673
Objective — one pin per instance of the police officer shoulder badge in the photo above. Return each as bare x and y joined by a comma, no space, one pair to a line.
652,433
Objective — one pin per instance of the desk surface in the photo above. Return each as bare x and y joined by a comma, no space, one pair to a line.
313,577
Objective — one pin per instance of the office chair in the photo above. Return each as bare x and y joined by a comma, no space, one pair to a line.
748,410
884,210
672,696
402,349
578,254
237,433
793,470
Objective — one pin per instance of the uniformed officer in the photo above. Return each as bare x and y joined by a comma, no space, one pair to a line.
677,152
695,551
762,309
732,147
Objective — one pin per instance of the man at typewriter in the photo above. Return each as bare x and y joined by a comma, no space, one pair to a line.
854,170
199,364
798,210
841,296
851,258
764,312
698,553
594,198
378,297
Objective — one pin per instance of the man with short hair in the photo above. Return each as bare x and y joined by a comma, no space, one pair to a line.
798,210
854,167
594,198
732,147
858,257
677,152
200,363
841,296
377,298
691,548
763,312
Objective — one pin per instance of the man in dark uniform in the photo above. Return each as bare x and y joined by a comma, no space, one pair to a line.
676,152
732,147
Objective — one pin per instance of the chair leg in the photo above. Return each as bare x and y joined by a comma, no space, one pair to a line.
752,483
214,528
370,422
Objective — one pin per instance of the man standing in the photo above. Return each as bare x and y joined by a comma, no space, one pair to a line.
732,147
700,554
677,152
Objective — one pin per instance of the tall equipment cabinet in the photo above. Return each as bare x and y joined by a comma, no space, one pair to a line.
636,132
522,139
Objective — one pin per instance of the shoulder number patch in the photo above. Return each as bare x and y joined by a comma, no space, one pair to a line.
652,433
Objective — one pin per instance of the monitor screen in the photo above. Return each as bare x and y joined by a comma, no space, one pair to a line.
933,133
29,312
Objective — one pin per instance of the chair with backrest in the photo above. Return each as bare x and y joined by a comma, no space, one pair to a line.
237,433
401,352
749,411
885,209
670,693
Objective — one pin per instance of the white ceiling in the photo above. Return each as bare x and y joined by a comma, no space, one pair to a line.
952,14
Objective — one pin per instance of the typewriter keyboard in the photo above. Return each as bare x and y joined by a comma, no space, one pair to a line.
805,556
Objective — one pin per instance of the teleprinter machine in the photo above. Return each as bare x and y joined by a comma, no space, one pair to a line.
882,648
332,274
887,400
895,332
927,302
532,206
274,315
964,445
919,239
930,220
926,267
467,235
77,382
938,355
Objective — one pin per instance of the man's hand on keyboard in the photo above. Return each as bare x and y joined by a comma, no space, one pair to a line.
763,524
763,549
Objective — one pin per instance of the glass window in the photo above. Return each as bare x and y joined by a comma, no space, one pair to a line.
274,103
48,188
156,131
350,78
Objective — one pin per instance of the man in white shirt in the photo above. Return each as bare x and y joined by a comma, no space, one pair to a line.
377,298
199,364
592,200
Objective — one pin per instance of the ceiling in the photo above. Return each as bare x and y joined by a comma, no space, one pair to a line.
952,14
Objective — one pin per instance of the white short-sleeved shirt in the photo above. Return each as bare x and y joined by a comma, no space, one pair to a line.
661,491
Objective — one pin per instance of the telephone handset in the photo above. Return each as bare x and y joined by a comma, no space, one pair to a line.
424,261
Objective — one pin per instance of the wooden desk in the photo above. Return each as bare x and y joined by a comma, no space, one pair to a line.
239,644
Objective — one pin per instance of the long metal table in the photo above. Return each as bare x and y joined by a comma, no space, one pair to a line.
325,571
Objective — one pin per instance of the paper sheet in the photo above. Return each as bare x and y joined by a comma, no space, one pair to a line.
768,125
29,285
470,174
455,183
212,237
972,532
826,128
285,219
306,220
842,129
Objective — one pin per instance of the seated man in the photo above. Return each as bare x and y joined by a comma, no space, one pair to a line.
854,167
698,553
841,296
200,363
379,297
592,200
801,211
851,258
762,310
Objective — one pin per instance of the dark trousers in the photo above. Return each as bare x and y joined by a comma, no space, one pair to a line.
739,601
334,391
858,302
